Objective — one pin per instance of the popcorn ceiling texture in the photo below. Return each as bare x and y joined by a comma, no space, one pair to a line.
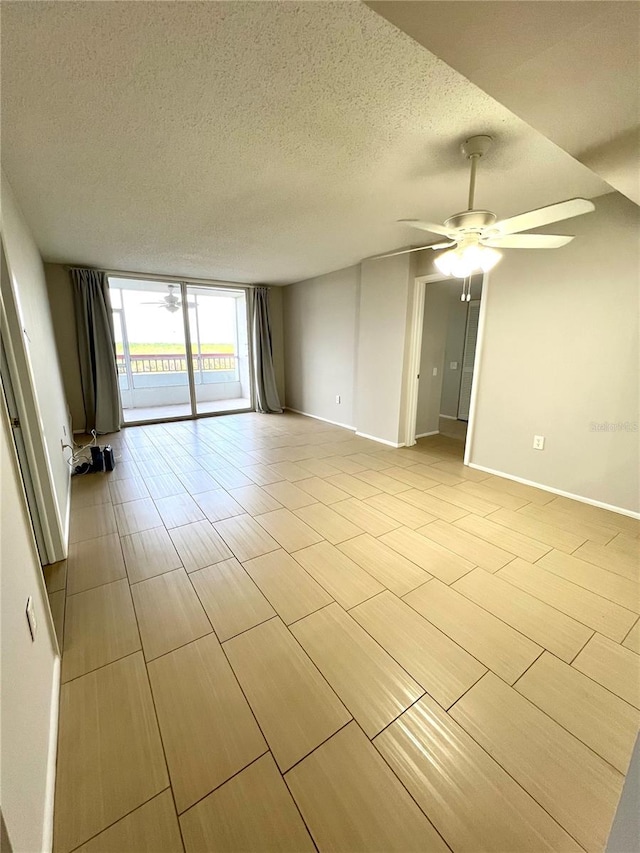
247,141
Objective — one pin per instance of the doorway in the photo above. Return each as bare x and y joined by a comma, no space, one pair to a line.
182,350
443,349
18,397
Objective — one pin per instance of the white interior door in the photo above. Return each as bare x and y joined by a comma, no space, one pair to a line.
470,340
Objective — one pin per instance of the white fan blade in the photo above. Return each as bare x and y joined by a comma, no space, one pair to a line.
545,215
415,249
528,241
428,226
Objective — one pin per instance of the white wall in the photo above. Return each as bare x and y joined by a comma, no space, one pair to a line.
561,353
28,698
26,303
320,340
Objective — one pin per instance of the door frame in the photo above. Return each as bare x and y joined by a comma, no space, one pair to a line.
464,353
34,463
412,374
13,412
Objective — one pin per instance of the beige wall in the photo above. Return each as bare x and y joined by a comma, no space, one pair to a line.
320,329
560,353
64,326
26,303
29,669
385,294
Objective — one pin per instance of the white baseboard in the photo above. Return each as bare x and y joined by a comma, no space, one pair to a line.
560,492
427,434
448,417
379,440
318,418
47,829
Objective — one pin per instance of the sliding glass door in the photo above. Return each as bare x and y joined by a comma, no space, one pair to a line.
220,347
156,324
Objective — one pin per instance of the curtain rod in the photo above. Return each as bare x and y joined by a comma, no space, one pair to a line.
156,277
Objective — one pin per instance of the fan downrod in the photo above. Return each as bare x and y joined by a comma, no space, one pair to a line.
473,149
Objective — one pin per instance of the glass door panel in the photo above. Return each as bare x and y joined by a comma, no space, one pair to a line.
151,349
220,348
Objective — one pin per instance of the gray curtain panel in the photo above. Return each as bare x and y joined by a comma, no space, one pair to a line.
266,393
96,351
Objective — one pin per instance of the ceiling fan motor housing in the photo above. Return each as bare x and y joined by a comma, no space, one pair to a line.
471,220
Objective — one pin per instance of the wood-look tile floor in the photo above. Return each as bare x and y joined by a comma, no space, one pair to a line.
276,635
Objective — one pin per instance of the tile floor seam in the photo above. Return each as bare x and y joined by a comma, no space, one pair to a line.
493,758
590,628
433,625
562,726
222,784
582,586
399,780
251,707
626,636
508,624
78,846
413,677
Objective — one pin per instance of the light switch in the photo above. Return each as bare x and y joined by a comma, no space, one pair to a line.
453,365
435,371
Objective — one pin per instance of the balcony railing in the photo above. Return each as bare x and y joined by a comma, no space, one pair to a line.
158,363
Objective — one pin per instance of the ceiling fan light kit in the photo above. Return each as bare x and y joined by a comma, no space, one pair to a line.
475,235
468,257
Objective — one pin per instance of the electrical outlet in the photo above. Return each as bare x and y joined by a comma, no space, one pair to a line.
453,365
338,400
31,618
538,442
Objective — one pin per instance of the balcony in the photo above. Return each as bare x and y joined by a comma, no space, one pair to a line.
155,386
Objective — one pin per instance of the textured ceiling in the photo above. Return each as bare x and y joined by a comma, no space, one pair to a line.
569,69
247,141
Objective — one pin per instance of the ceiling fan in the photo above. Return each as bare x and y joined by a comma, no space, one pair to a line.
476,235
170,302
